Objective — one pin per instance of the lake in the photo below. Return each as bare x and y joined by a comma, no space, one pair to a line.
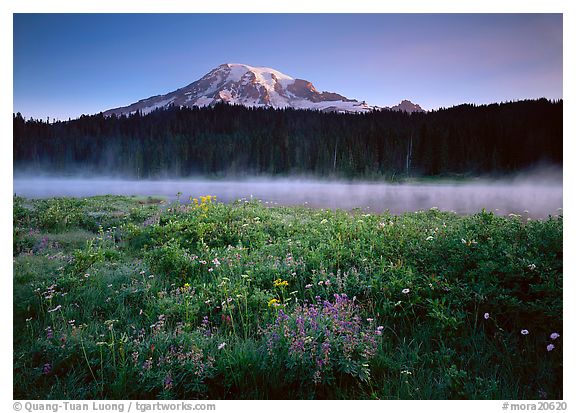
539,196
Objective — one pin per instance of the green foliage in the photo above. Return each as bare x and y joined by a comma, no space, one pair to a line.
59,214
172,261
22,240
208,300
20,213
56,215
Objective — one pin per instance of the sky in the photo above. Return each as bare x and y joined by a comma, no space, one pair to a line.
66,65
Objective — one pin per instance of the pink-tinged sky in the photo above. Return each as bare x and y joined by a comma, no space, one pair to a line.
66,65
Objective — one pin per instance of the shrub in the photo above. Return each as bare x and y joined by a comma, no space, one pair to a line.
56,215
317,342
172,261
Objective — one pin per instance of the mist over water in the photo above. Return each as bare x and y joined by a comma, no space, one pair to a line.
539,193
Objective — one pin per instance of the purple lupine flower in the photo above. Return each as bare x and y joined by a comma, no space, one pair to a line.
554,336
47,369
550,347
312,332
168,382
147,365
297,346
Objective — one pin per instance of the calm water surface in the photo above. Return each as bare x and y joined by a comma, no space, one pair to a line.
540,197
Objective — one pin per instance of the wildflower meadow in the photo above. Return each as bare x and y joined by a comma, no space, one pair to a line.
141,298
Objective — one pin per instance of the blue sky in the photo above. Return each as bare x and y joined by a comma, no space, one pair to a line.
66,65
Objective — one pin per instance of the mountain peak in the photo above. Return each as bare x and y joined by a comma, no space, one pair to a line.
253,86
407,106
241,67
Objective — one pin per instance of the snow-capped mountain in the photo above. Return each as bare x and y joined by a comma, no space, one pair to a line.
245,85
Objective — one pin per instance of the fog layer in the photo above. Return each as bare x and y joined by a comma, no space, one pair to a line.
540,195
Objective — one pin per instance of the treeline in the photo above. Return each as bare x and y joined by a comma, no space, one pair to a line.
234,140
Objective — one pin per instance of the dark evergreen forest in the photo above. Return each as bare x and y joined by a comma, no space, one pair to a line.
235,140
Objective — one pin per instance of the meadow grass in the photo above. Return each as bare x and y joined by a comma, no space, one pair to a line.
124,298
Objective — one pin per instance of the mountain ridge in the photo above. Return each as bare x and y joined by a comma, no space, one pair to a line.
252,86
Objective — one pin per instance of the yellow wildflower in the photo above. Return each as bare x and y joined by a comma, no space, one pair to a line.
280,283
273,302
